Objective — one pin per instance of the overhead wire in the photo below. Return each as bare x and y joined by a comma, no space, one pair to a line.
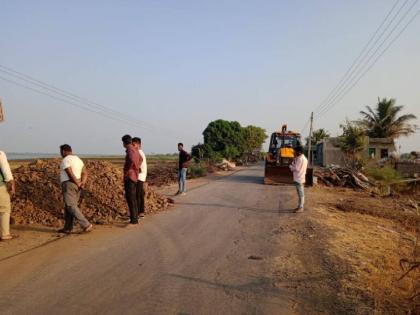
372,64
54,89
71,102
75,100
356,61
349,84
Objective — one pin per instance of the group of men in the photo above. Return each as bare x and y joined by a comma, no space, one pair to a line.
135,173
73,179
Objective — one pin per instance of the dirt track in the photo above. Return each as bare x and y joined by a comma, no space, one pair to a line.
231,246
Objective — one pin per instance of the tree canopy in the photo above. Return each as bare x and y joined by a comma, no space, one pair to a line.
228,139
385,121
352,141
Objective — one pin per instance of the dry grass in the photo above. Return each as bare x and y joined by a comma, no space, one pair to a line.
380,243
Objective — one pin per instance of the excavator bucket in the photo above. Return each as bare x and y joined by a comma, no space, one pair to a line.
275,175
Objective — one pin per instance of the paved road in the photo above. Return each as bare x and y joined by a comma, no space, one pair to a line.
212,254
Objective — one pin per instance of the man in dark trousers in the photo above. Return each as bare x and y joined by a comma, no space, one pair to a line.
131,174
184,158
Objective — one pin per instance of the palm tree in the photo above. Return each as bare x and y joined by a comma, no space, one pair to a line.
383,121
318,135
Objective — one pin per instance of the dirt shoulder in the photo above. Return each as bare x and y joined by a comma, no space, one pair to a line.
368,250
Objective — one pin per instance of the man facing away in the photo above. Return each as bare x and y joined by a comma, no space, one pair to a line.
7,189
184,158
131,175
142,177
298,167
73,177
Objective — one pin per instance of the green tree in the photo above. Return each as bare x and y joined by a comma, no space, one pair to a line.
352,142
223,139
318,135
384,121
254,138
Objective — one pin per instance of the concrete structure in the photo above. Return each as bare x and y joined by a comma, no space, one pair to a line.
328,151
379,148
409,168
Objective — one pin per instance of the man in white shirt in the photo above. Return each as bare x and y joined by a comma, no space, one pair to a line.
73,177
7,189
298,167
142,177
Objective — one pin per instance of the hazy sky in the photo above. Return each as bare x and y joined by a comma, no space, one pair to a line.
176,65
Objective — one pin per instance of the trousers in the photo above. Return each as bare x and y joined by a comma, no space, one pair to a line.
301,194
130,189
182,177
140,196
71,196
5,209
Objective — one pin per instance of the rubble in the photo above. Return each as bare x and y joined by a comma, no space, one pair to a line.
162,174
226,165
342,177
38,198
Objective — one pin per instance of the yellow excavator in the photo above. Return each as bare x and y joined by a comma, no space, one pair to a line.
281,153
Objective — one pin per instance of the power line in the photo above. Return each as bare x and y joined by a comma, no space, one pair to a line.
365,64
374,62
70,102
358,58
72,96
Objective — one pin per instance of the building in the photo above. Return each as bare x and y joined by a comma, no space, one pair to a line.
328,151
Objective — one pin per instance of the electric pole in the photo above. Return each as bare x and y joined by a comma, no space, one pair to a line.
1,112
310,140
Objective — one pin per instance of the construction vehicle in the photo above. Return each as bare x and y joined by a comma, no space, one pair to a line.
280,155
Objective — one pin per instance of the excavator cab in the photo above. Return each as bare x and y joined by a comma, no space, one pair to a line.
280,155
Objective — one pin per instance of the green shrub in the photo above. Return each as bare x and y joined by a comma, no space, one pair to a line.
197,170
386,174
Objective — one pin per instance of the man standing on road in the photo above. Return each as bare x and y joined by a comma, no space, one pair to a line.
142,177
7,189
184,158
298,167
73,177
131,175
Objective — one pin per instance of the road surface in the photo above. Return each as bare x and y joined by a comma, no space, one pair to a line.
231,246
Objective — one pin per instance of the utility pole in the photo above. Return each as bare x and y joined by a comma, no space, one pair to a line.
1,112
310,140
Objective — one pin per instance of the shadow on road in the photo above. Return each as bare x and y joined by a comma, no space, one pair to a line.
260,286
250,179
221,206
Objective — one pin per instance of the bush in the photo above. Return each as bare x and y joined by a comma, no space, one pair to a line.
386,176
197,170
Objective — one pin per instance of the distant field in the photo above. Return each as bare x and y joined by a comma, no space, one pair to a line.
117,160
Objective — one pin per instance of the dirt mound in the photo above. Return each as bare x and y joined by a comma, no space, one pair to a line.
160,174
39,198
